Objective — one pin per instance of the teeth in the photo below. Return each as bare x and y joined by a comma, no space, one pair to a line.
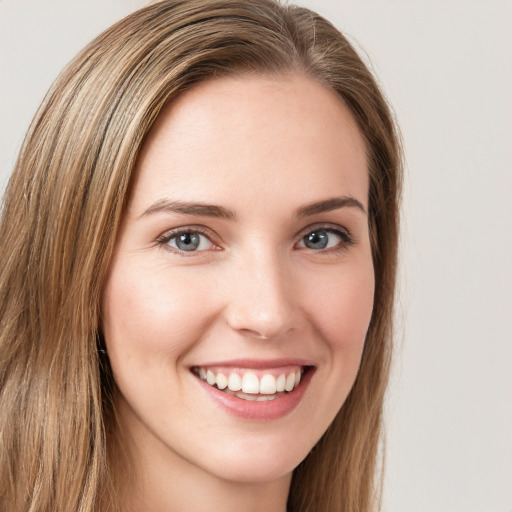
249,385
290,382
210,377
265,398
234,382
281,383
221,381
268,385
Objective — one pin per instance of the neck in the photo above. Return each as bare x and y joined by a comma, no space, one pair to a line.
185,492
160,480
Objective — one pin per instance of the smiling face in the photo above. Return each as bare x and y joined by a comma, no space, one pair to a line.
243,262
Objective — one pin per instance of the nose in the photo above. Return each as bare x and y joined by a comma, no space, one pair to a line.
262,303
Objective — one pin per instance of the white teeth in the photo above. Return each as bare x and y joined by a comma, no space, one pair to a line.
265,398
222,381
210,377
290,382
281,383
234,382
250,384
268,385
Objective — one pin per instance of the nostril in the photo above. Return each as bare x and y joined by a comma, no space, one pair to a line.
265,331
252,333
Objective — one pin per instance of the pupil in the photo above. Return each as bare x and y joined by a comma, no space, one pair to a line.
316,240
188,241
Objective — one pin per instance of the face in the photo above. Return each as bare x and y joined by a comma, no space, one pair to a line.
241,288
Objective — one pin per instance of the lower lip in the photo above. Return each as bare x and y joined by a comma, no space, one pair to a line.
252,410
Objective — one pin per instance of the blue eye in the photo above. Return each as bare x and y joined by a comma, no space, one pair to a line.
189,241
322,238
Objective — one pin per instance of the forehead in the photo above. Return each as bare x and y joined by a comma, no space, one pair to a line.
253,135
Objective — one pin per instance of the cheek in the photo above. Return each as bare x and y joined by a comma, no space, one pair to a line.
146,313
344,308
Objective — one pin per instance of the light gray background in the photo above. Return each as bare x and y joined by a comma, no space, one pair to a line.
447,68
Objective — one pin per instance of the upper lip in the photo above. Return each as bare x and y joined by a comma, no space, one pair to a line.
258,364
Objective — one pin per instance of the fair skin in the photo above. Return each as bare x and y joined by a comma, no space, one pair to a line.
272,277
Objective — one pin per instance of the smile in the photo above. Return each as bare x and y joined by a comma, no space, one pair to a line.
250,384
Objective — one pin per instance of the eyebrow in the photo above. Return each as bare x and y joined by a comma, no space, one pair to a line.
190,208
328,205
211,210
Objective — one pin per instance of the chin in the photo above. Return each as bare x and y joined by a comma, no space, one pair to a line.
259,461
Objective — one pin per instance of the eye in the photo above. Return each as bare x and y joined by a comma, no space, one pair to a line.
187,241
324,239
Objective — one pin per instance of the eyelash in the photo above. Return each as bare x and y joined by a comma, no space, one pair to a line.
346,238
164,239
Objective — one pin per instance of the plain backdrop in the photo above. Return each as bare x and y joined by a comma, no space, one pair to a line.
446,66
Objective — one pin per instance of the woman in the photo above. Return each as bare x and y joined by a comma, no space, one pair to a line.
198,263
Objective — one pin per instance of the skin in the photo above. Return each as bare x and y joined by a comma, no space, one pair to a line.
262,148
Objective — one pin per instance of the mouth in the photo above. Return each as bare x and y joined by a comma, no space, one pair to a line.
251,384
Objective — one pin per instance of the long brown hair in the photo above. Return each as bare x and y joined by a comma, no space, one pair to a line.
59,222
